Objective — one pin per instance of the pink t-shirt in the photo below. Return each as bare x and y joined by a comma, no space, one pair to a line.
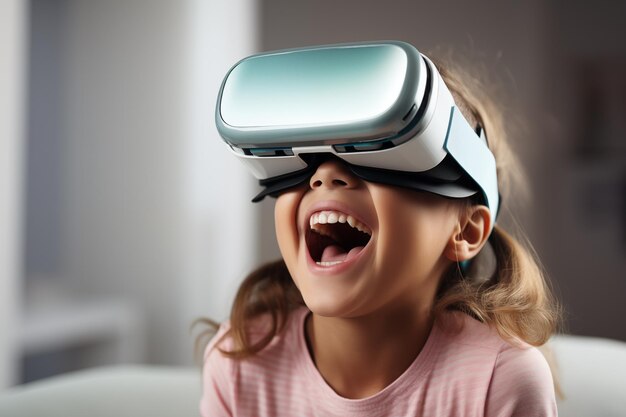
471,373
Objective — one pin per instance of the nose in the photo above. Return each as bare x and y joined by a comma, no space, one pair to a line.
333,174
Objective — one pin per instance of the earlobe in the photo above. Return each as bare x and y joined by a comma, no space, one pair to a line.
470,235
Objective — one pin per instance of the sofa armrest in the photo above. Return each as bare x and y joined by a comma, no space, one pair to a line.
592,372
108,392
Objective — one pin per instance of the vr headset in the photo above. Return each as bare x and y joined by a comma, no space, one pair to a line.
381,107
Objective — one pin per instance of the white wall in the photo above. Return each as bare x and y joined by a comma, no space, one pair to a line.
12,56
220,231
156,209
123,157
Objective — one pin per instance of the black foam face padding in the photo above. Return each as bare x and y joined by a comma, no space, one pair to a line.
446,179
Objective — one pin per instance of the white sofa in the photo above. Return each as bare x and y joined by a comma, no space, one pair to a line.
593,377
110,391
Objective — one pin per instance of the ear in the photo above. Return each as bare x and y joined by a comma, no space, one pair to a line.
470,235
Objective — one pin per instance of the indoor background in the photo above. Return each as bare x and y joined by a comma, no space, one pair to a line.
124,217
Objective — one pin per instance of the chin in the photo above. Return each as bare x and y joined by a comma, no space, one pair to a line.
329,303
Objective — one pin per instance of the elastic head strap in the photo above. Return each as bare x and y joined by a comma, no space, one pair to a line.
472,153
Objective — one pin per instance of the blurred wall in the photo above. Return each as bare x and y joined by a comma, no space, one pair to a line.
122,159
583,177
13,43
44,159
131,192
533,52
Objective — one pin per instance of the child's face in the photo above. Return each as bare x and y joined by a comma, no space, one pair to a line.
401,264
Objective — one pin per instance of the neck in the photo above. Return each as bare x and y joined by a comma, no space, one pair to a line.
359,357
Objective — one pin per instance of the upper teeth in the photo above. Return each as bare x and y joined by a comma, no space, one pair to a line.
331,216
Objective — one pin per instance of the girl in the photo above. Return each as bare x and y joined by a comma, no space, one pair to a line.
399,324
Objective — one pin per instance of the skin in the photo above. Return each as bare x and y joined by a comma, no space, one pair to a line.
370,321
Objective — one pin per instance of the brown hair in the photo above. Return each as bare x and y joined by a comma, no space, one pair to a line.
515,298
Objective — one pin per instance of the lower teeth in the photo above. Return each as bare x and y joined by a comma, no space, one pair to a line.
330,263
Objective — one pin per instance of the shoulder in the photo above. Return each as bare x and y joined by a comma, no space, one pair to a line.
522,378
228,381
521,382
217,376
517,374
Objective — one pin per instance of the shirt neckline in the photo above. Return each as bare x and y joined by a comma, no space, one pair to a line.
403,385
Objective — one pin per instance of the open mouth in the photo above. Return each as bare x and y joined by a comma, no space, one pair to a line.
335,237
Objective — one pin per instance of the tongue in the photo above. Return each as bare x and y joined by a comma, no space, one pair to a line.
334,253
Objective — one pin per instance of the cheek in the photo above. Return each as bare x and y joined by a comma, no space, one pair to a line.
285,218
416,230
